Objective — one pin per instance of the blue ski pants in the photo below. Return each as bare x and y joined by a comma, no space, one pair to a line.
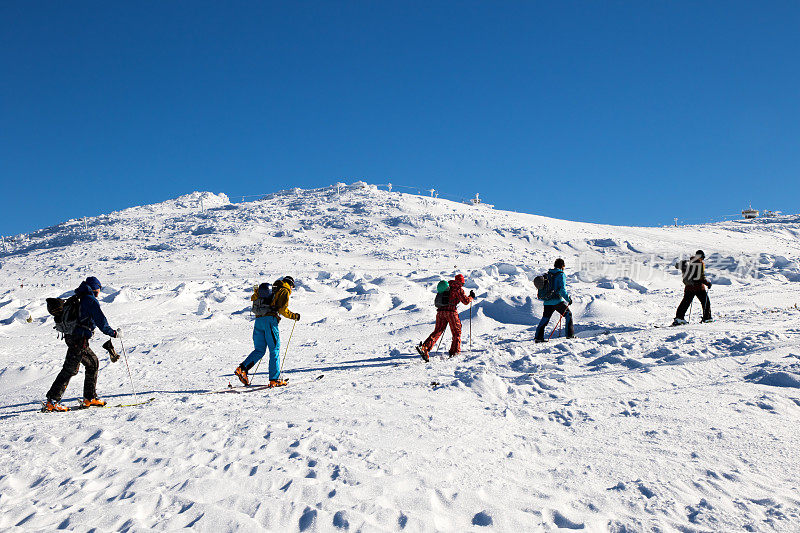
266,335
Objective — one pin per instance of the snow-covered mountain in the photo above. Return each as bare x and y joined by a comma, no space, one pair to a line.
626,428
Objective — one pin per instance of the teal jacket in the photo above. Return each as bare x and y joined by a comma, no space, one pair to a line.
560,287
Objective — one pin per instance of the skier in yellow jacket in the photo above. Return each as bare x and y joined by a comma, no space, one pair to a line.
269,303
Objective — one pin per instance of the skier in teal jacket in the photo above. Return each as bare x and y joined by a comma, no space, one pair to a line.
560,302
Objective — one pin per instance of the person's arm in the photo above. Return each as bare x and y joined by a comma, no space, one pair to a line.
281,304
561,283
97,316
703,279
462,296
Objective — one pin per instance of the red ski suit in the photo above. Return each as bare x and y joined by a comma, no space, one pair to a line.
449,315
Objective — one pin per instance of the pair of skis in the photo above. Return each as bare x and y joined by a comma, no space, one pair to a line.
107,406
239,389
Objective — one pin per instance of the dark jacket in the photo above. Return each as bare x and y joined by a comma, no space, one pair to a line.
694,273
90,316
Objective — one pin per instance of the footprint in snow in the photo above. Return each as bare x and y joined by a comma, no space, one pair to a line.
646,492
340,520
563,522
566,417
482,519
308,519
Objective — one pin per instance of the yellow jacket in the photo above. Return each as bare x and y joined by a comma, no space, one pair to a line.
280,300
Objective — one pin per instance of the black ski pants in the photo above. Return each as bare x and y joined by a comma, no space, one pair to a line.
78,353
564,311
689,293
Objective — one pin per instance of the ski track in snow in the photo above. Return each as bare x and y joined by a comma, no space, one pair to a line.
628,427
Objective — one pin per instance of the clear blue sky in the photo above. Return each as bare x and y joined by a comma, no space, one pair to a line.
616,112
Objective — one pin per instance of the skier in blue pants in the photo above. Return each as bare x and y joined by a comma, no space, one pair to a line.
266,334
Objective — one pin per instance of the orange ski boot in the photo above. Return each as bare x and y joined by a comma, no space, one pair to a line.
423,352
54,407
241,373
277,383
92,402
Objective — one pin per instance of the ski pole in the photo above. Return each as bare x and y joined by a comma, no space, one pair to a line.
287,349
470,327
690,310
136,398
555,328
440,342
256,371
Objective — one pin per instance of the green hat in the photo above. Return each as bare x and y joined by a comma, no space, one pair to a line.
443,286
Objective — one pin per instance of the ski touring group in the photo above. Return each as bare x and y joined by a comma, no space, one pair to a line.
77,317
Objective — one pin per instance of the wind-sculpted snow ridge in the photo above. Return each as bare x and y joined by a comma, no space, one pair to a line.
631,426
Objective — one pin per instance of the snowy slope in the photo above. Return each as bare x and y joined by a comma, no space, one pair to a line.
626,428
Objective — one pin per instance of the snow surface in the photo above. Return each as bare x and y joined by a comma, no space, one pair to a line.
626,428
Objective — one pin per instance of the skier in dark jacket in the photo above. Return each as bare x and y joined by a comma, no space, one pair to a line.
90,316
695,285
560,302
447,314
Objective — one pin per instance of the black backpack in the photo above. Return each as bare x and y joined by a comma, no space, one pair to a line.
545,286
262,305
692,272
66,313
442,300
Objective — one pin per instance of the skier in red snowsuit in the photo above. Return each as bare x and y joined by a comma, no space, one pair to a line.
446,314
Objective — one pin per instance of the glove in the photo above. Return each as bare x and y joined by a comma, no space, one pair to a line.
118,333
112,353
297,317
708,283
569,299
472,294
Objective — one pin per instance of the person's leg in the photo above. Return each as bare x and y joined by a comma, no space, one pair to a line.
274,344
688,295
546,314
455,329
441,325
91,366
706,303
70,368
564,310
259,343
